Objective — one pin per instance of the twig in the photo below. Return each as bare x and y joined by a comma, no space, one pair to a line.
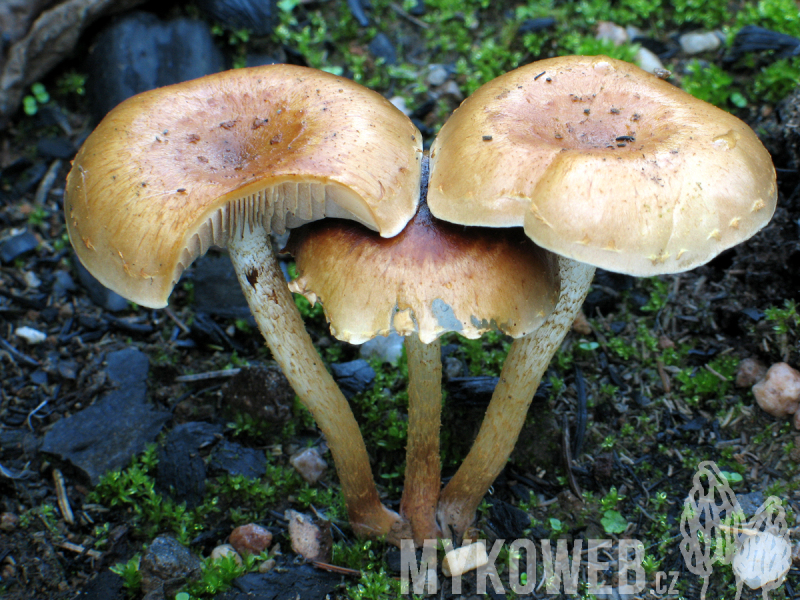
80,549
207,375
47,183
399,10
336,569
183,327
34,411
19,355
63,499
716,374
664,377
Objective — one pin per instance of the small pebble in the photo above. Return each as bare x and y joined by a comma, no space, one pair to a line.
309,464
647,61
606,30
437,75
8,522
250,538
452,367
225,550
779,392
450,89
311,540
31,280
664,342
267,566
700,41
749,372
30,335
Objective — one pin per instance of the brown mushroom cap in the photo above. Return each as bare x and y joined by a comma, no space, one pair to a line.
432,278
603,163
172,171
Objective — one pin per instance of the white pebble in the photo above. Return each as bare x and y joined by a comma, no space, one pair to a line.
648,61
30,335
699,41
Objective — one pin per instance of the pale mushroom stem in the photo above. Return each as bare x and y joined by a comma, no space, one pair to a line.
283,329
523,370
423,464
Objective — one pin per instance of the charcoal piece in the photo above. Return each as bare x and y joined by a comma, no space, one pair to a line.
105,436
235,459
62,285
291,581
262,392
29,178
382,47
353,377
127,368
754,314
106,586
55,148
357,10
257,16
750,503
508,521
181,470
139,52
752,38
216,288
471,391
536,25
17,245
100,294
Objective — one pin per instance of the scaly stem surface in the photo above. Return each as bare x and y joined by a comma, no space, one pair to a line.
423,464
283,329
526,363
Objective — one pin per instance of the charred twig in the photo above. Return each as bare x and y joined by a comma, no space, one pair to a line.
567,459
31,362
580,421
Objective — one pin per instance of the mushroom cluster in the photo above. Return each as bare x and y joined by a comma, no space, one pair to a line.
601,164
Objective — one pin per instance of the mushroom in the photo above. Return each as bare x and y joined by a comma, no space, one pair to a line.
226,160
430,279
606,166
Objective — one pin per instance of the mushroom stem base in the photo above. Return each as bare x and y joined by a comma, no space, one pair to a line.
526,363
283,329
423,464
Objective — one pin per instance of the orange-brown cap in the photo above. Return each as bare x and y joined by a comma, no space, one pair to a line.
603,163
432,278
172,171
